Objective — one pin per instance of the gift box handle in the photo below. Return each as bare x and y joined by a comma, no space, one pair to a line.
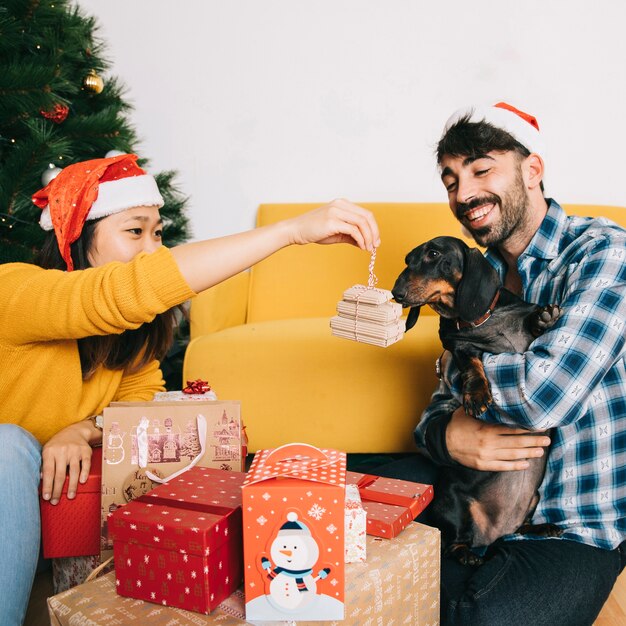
296,452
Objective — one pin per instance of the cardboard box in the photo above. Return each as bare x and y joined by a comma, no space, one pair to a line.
141,439
181,544
72,527
399,584
390,504
293,505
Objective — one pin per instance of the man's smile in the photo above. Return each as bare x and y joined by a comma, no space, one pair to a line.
476,216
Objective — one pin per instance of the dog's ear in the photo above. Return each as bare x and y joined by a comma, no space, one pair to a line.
478,286
414,313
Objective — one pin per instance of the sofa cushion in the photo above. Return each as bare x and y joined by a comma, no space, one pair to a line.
306,385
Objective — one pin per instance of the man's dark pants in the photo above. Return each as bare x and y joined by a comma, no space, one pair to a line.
523,583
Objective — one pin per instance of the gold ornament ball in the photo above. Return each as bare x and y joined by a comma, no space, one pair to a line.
93,83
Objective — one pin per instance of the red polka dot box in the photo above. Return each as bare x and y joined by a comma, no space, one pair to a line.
390,504
294,531
180,545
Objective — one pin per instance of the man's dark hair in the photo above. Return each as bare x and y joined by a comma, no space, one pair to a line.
475,139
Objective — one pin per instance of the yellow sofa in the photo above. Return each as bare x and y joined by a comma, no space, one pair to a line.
263,337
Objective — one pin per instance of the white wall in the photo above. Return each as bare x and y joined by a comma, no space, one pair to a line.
289,100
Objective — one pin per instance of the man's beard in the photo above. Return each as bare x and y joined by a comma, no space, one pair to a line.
513,212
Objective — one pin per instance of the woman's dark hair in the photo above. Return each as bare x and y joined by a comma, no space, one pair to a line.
475,139
130,350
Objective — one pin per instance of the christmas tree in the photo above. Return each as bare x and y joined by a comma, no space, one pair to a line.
58,106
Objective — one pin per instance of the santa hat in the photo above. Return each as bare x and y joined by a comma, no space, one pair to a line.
293,527
92,189
523,127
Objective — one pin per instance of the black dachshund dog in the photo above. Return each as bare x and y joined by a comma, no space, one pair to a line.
477,314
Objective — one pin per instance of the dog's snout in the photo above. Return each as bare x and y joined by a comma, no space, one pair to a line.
399,291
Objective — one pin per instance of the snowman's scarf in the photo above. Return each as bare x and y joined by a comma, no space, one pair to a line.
298,574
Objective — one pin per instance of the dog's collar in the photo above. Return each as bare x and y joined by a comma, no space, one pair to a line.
483,318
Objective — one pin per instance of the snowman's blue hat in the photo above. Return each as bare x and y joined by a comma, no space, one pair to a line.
292,526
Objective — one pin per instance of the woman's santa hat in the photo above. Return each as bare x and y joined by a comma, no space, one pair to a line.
522,126
92,189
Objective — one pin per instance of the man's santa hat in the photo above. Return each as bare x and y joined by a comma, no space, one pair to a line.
92,189
522,126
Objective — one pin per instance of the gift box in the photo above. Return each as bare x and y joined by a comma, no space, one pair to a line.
399,584
356,526
72,527
145,443
180,545
294,508
390,504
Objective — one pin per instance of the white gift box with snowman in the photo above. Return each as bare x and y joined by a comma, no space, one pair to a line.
293,529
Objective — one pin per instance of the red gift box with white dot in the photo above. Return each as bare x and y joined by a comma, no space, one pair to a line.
181,544
391,504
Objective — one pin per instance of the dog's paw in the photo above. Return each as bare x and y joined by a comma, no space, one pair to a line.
476,398
541,530
463,554
543,318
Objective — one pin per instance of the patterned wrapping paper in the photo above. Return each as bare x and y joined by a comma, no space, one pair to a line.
71,528
356,526
294,527
391,504
399,584
180,545
173,442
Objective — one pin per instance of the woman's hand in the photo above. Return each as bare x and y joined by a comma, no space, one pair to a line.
71,448
339,221
491,447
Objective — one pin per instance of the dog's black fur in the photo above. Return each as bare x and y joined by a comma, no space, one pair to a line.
474,508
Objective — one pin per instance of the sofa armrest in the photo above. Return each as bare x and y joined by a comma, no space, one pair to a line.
222,306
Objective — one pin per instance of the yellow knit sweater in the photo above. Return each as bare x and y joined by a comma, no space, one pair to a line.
44,312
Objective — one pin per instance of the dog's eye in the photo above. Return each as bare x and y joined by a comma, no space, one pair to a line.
432,254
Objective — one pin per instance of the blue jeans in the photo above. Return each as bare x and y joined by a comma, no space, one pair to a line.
549,582
20,523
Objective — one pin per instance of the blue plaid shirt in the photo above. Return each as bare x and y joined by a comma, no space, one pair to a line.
572,378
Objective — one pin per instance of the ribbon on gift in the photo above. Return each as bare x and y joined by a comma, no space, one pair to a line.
142,448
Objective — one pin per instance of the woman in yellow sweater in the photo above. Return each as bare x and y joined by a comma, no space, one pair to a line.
88,324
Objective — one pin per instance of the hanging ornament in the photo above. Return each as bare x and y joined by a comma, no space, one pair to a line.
93,83
48,174
57,114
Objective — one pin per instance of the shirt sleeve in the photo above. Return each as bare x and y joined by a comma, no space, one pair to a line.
430,433
553,382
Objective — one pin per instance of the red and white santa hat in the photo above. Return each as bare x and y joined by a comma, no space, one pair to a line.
92,189
522,126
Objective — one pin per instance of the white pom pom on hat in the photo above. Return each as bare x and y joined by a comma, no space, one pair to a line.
522,126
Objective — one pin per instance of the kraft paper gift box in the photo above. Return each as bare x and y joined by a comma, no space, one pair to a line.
293,511
145,443
391,504
399,584
72,527
181,544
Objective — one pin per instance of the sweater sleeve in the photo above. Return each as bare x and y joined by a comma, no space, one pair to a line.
141,385
48,305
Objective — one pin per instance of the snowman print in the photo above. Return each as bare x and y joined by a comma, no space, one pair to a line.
294,552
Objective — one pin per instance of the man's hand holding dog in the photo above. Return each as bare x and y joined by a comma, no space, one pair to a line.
491,447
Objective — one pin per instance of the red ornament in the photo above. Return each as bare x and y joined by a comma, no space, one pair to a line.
57,114
197,386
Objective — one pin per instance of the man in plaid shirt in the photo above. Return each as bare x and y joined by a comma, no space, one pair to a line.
572,380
